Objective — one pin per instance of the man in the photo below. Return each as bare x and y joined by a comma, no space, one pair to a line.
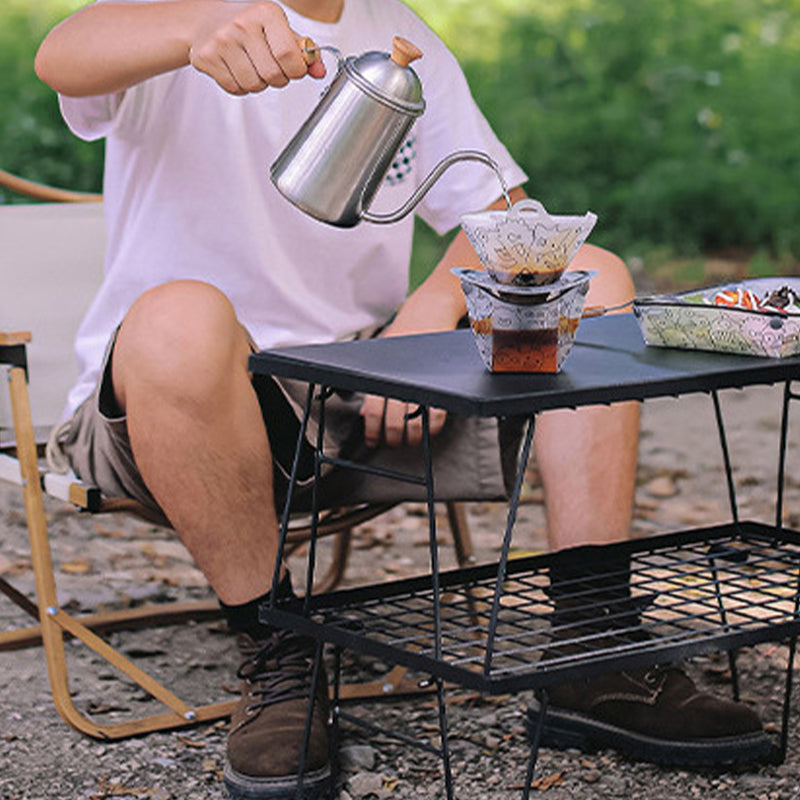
206,262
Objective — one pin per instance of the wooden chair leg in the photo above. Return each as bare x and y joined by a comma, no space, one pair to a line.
54,622
462,538
149,615
339,558
394,683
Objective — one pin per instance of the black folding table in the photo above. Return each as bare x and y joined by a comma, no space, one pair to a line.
487,627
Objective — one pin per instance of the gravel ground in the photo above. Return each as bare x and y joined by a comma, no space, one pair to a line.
112,561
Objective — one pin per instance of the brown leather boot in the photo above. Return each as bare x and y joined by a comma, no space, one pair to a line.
268,725
654,714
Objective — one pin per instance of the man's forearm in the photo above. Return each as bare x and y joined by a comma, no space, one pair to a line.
438,304
104,48
428,310
108,47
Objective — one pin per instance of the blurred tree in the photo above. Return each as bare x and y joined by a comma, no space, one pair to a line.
676,120
34,142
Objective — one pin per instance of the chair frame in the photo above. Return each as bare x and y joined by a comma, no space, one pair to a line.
20,464
43,192
54,623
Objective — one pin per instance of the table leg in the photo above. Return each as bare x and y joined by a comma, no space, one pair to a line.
319,455
788,396
734,507
503,562
335,731
437,604
287,506
723,441
309,719
536,738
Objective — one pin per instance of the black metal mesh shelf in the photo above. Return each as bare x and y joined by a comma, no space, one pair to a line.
691,592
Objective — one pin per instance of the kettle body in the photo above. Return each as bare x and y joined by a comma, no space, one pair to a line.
336,162
333,166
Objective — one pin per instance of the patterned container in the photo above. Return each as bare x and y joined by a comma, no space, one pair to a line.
524,328
758,317
524,245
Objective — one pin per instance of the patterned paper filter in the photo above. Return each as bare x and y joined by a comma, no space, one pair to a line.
524,328
524,245
760,316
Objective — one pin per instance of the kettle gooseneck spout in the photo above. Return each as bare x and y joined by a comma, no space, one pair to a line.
430,180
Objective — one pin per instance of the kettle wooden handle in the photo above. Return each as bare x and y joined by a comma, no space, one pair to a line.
403,52
309,50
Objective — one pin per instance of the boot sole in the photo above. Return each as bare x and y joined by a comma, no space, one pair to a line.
569,729
246,787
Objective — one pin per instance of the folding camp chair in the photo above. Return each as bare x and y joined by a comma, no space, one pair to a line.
55,250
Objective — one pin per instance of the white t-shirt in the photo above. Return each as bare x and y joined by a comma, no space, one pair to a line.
188,194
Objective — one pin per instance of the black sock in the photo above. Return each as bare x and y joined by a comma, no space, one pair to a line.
596,593
243,617
589,588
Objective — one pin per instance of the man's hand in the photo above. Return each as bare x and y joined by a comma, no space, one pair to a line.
388,421
247,47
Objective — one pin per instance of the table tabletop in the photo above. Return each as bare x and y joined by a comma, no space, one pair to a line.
609,362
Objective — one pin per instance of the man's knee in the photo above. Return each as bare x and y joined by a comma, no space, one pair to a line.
613,284
179,334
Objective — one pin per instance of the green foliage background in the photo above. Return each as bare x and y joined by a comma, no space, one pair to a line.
676,121
34,141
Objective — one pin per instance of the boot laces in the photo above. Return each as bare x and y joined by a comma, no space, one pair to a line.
279,668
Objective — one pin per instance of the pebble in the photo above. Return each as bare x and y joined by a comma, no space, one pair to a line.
364,784
354,757
662,486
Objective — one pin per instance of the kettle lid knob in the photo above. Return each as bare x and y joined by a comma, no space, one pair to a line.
388,78
404,52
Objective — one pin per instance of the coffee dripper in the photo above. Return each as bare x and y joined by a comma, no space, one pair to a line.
334,165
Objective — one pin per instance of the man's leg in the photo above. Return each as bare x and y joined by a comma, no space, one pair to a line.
587,458
199,440
587,464
180,376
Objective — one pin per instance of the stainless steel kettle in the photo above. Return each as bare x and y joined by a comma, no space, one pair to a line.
335,163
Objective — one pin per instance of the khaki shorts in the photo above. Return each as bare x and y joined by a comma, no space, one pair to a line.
474,458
